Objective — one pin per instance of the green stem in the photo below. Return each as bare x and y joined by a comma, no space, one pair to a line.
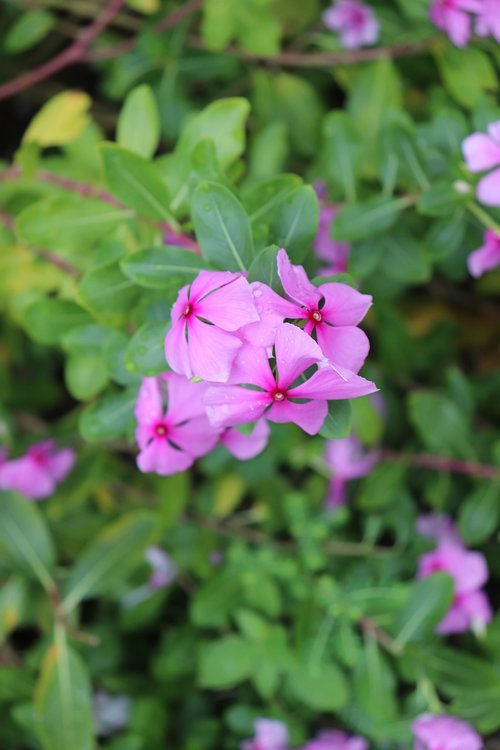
483,217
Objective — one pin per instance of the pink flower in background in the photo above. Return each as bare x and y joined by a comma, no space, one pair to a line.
355,22
331,312
488,20
270,734
470,607
275,397
482,152
177,239
440,732
439,527
453,17
37,473
163,570
171,437
243,446
486,257
334,253
333,739
205,316
347,460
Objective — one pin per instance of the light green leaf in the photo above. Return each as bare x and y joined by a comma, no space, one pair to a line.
294,222
429,601
467,73
479,513
48,320
145,352
108,418
321,687
162,267
138,127
85,374
60,121
108,294
373,216
440,424
338,420
28,29
225,663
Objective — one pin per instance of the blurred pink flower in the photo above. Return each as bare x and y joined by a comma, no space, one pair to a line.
355,22
173,429
331,311
275,397
163,570
333,739
486,257
440,732
37,473
482,152
439,527
177,239
270,734
334,253
470,607
488,20
347,460
243,446
205,316
453,17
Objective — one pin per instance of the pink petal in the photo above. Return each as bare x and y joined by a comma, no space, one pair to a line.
207,282
230,307
344,306
185,399
347,347
456,620
244,447
161,458
337,493
295,282
211,351
458,27
480,152
471,573
195,437
176,349
251,367
485,258
477,607
272,310
494,127
61,463
295,352
149,404
309,416
347,459
488,189
327,384
230,405
25,476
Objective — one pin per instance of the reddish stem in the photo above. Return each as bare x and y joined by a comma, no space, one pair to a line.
69,56
441,463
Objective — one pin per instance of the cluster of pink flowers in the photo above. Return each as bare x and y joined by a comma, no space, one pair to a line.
36,474
355,22
458,18
273,735
441,732
334,254
249,364
470,607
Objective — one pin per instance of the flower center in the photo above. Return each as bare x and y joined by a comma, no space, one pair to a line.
279,396
316,315
187,311
160,430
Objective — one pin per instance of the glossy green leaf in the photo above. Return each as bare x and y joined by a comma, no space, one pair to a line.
294,222
138,126
108,293
264,268
479,513
48,320
341,152
108,418
85,374
373,216
162,267
338,420
429,601
145,352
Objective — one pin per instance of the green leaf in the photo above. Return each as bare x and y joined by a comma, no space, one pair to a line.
294,222
373,686
341,152
441,199
479,513
321,687
440,424
29,29
136,182
138,126
85,374
110,558
25,541
215,601
108,418
14,597
225,663
467,73
145,352
373,216
428,603
162,267
404,258
48,320
60,121
63,701
253,23
338,420
108,294
264,268
382,487
222,227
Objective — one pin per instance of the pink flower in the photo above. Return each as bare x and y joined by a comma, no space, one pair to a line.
276,396
171,237
245,446
163,570
202,340
469,571
482,152
37,473
452,17
336,254
439,527
171,438
269,735
347,460
486,257
333,739
488,20
355,22
439,732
